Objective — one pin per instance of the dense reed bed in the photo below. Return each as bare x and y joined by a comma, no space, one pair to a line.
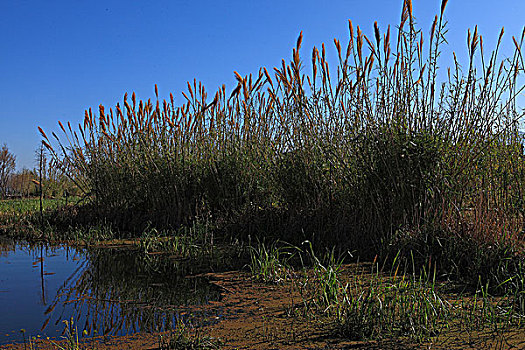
384,150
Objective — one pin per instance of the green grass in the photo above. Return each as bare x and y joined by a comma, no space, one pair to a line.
21,218
269,262
407,308
28,205
394,303
376,305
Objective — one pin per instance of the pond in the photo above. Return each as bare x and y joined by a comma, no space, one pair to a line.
105,291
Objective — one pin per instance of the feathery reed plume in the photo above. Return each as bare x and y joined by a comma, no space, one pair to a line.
379,146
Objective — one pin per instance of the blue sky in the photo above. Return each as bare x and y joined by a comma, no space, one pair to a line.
58,58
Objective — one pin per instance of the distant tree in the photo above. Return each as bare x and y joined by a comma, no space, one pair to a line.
7,166
22,183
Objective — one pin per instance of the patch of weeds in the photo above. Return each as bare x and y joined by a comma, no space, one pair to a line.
31,340
409,305
188,338
328,288
71,341
514,285
392,307
482,312
187,241
94,233
466,263
269,263
180,243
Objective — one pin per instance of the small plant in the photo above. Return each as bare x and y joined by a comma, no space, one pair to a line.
71,341
269,263
23,331
514,285
481,312
31,343
327,287
186,338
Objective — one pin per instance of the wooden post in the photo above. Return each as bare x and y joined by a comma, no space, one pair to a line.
40,187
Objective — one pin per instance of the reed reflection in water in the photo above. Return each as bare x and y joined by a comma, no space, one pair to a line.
122,291
31,274
106,291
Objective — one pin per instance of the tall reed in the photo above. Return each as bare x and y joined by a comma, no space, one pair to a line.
351,154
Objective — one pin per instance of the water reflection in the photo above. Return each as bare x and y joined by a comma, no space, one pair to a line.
106,291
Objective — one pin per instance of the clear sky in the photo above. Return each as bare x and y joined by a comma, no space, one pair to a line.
58,58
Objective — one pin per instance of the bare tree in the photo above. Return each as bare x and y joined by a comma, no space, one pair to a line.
7,166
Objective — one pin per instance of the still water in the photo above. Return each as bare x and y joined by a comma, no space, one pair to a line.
109,291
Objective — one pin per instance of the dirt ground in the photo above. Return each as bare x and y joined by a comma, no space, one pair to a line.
253,315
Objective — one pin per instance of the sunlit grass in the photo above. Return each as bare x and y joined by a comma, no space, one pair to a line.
28,205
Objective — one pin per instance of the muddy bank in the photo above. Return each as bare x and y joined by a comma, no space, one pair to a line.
252,315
